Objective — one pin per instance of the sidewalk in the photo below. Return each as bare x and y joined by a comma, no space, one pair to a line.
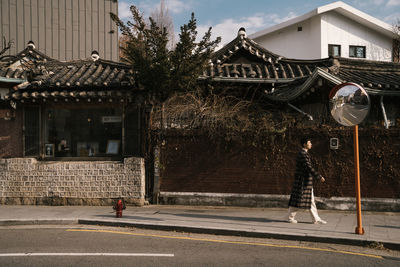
380,227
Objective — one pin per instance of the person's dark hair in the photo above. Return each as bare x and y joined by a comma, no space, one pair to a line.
304,140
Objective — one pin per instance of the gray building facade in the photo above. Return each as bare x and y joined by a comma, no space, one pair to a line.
62,29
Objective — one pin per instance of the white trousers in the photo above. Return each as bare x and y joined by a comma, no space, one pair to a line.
313,210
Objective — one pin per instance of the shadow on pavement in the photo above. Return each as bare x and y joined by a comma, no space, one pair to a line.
219,217
387,226
130,217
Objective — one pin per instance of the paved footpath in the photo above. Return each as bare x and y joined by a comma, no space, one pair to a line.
380,227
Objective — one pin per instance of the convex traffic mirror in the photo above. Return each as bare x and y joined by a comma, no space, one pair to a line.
349,104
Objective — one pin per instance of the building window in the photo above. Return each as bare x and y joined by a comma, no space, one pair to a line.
357,51
76,131
90,132
334,50
300,28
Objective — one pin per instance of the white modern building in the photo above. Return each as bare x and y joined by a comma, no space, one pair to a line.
336,29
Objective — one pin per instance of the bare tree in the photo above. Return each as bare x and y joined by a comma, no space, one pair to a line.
6,46
163,19
396,41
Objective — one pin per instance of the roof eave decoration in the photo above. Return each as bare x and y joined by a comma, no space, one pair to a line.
242,42
290,94
244,61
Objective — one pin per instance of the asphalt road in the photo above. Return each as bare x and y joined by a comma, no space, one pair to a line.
107,246
350,114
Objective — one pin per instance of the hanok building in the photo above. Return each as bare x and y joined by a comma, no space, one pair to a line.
70,131
196,170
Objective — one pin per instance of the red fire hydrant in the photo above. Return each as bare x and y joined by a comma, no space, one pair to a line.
118,207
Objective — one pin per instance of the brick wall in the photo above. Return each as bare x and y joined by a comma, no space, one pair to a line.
11,135
197,164
28,181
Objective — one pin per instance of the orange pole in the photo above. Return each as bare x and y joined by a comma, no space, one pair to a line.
359,228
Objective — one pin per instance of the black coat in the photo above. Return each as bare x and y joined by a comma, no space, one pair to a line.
303,181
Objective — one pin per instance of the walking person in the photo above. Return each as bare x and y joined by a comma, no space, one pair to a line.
302,196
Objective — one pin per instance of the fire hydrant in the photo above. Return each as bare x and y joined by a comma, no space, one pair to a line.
118,207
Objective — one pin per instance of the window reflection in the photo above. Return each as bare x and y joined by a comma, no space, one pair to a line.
83,132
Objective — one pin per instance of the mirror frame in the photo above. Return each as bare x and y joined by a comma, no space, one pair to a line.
342,118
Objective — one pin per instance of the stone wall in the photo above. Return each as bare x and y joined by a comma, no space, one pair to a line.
33,182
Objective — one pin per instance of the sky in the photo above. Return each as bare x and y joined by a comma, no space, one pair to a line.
227,16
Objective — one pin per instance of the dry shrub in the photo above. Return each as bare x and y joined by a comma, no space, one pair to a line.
219,116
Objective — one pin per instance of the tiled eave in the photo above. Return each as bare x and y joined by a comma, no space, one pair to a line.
375,82
73,96
250,80
378,78
291,92
273,71
77,81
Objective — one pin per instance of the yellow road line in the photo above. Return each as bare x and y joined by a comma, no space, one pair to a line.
225,241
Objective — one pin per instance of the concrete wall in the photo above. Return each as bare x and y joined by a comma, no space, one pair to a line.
28,181
62,29
319,31
337,29
291,43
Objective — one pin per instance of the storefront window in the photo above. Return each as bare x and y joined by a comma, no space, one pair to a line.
92,132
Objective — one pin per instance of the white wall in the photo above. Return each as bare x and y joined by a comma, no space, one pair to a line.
291,43
338,29
321,30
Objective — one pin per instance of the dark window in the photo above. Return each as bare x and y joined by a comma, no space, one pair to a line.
334,50
90,132
299,29
132,132
357,51
31,131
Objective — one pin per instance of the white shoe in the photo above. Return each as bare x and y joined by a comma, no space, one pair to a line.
292,221
320,222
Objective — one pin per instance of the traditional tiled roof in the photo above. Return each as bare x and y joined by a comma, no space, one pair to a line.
18,66
378,78
52,79
81,74
244,61
240,61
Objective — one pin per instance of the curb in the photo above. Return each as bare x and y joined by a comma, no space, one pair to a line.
38,222
243,233
207,230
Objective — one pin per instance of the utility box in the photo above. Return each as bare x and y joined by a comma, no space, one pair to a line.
334,143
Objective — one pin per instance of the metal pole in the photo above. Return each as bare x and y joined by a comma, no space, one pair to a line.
359,228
